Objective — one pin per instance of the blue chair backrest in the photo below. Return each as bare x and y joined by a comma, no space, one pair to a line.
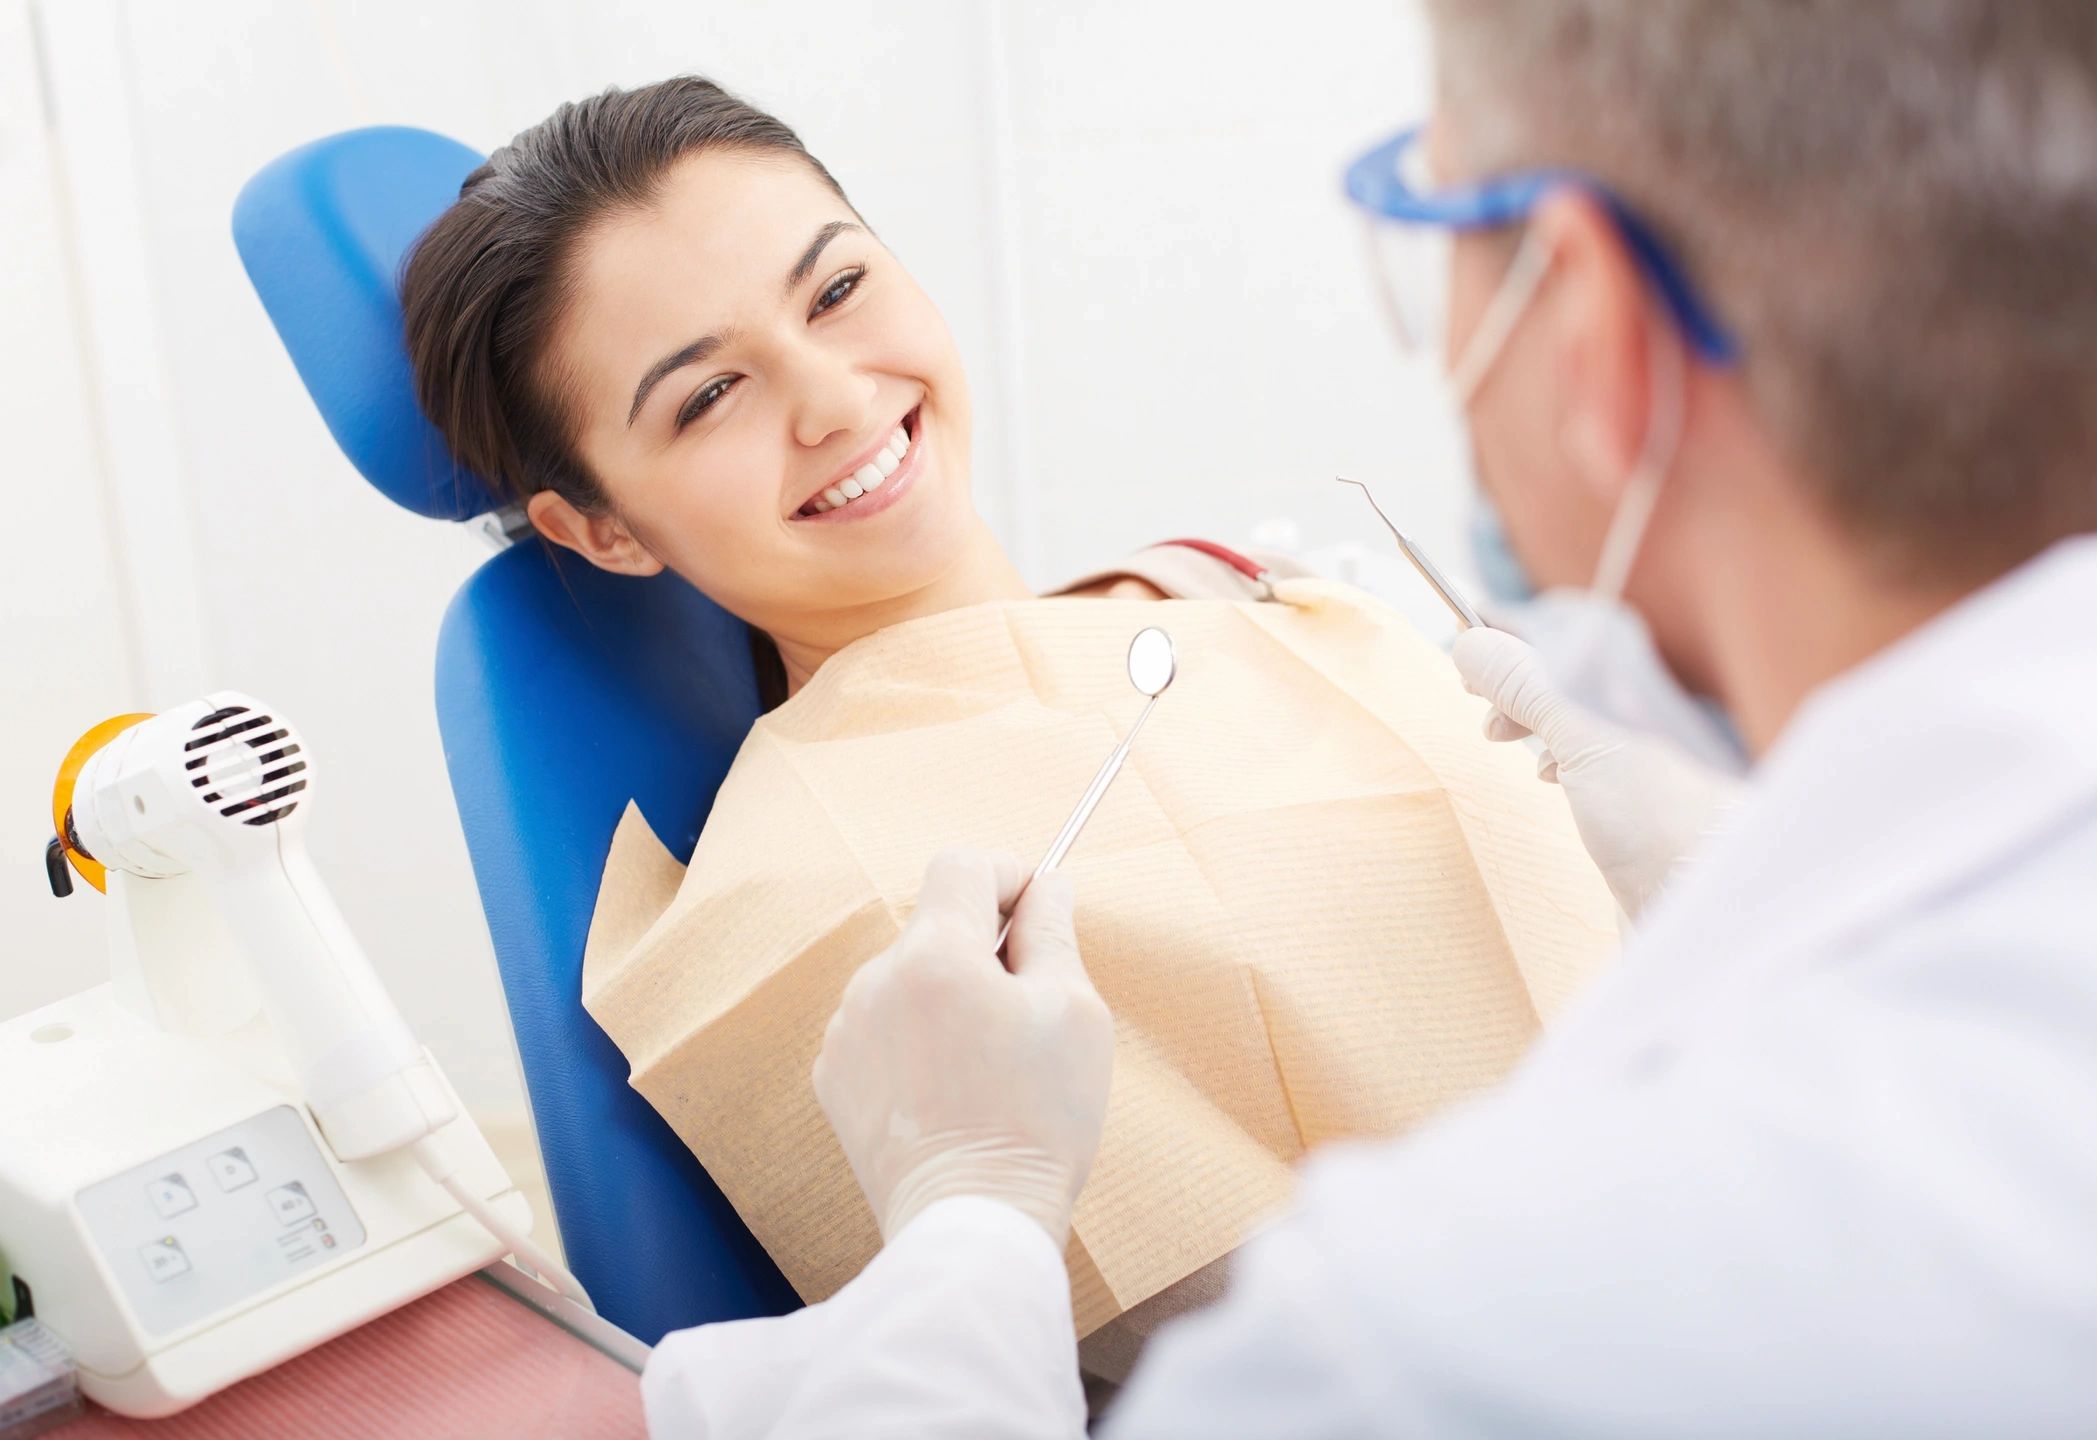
562,693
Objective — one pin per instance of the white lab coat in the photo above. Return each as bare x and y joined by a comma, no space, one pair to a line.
1819,1157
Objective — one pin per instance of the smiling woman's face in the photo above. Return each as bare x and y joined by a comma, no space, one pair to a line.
735,359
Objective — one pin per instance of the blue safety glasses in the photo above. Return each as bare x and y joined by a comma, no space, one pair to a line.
1411,257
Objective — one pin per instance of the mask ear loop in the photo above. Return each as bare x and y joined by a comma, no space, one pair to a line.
1386,295
1627,528
1531,263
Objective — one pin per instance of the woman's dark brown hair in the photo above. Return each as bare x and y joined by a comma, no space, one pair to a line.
485,286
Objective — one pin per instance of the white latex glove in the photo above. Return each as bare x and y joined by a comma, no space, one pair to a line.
1642,804
944,1074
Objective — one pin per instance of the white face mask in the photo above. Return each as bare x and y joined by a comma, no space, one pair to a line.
1595,647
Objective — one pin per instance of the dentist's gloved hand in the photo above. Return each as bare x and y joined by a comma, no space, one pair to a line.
1642,805
945,1075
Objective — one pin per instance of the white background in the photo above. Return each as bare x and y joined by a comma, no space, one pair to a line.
1129,212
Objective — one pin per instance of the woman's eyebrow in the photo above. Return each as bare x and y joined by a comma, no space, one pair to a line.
805,266
676,360
698,350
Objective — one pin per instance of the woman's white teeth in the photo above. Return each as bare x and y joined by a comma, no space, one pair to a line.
883,465
867,478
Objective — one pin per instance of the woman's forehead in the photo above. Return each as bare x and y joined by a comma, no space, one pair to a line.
727,216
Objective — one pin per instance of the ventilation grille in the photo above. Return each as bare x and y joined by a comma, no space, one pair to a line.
246,764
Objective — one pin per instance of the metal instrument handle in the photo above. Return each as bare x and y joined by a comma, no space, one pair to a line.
1087,803
1429,571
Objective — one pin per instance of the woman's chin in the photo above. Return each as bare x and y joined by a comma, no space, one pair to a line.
918,559
928,532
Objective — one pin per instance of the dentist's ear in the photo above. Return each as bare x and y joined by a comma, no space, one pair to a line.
1596,312
600,538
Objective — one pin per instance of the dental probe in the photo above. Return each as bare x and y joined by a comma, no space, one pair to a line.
1151,669
1429,571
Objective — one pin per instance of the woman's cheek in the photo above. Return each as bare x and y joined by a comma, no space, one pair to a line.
700,522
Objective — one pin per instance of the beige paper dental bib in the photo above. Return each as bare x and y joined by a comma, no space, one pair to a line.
1319,902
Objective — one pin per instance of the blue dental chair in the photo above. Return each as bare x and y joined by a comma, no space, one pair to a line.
562,692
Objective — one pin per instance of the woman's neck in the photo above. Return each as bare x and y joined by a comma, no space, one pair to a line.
982,575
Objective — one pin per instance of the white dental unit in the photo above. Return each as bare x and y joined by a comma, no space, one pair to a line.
234,1150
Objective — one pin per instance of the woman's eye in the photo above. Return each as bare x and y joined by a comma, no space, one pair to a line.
704,399
838,291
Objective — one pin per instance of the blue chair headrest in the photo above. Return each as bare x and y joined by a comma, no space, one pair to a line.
323,231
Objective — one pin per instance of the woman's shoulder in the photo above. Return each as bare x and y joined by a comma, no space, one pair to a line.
1189,570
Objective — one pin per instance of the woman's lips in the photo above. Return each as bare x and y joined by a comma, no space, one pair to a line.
892,489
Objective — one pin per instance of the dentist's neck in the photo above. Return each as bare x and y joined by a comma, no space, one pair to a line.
1767,597
1804,619
981,574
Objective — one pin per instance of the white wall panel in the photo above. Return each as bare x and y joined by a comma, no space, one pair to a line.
67,633
1204,353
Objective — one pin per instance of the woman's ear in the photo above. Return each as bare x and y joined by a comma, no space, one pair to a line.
602,539
1596,309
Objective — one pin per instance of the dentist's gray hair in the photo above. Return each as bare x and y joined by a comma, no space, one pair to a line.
1891,203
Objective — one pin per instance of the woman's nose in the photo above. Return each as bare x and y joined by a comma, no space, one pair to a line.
835,396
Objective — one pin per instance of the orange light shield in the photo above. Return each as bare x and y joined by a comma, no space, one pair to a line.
84,749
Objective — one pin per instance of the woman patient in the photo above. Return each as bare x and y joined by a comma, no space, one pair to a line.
1318,901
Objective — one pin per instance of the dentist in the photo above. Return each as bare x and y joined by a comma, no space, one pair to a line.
1775,326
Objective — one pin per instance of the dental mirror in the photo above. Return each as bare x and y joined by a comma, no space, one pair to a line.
1151,668
1151,663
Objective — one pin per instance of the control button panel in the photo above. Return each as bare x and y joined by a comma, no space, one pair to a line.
230,1168
165,1259
290,1203
170,1195
206,1227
